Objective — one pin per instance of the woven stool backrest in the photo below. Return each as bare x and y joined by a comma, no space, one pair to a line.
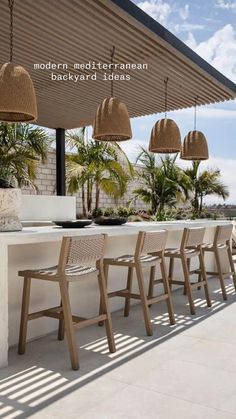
81,250
150,242
223,234
192,237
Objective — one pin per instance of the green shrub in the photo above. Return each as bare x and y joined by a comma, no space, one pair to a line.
125,211
107,212
97,212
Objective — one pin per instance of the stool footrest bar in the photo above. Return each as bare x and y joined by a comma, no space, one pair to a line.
157,299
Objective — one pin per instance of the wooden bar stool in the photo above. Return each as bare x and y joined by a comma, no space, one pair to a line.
149,252
74,254
190,247
222,244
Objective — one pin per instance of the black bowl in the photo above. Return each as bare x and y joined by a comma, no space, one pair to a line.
110,221
73,223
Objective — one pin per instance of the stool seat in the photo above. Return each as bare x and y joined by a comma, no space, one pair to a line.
51,273
210,246
127,259
189,253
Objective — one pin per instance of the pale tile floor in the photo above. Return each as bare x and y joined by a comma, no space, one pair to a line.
187,371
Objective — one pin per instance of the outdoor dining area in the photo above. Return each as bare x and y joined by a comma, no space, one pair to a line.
145,289
83,257
113,284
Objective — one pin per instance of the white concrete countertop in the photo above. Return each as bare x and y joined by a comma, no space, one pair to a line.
54,233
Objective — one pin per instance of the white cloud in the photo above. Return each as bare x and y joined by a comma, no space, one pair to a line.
219,50
157,9
207,112
132,148
191,41
184,12
226,5
163,12
188,27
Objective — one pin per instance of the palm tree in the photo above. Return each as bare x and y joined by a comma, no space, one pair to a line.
21,147
98,166
181,183
147,178
205,183
162,185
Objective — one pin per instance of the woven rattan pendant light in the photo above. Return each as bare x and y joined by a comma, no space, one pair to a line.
195,144
17,94
165,135
112,121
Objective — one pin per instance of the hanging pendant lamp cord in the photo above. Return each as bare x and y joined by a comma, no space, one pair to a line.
111,70
166,95
195,114
11,4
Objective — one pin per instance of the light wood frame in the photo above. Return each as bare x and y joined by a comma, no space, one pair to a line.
63,311
222,243
152,244
190,247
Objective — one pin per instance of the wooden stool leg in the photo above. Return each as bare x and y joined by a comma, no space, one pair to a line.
220,273
188,264
204,275
129,288
143,298
69,328
151,283
188,285
104,307
105,270
200,277
61,327
167,291
171,272
24,315
232,267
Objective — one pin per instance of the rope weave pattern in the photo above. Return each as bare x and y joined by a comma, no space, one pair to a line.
86,249
176,252
195,236
154,241
210,246
142,259
224,233
70,270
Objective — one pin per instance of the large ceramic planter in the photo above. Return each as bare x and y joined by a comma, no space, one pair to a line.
10,207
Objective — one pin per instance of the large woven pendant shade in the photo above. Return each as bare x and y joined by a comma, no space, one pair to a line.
112,121
165,137
194,146
17,95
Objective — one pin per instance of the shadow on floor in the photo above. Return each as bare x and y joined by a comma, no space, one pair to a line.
43,375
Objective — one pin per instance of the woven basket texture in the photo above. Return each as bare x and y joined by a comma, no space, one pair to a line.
165,137
112,121
194,146
17,95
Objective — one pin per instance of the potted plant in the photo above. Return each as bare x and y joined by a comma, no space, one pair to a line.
21,147
108,216
10,203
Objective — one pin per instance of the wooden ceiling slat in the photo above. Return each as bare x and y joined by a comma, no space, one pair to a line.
172,61
84,30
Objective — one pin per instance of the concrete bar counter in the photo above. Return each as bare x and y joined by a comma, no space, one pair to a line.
38,247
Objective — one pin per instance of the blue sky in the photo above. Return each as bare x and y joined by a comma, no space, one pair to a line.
209,28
